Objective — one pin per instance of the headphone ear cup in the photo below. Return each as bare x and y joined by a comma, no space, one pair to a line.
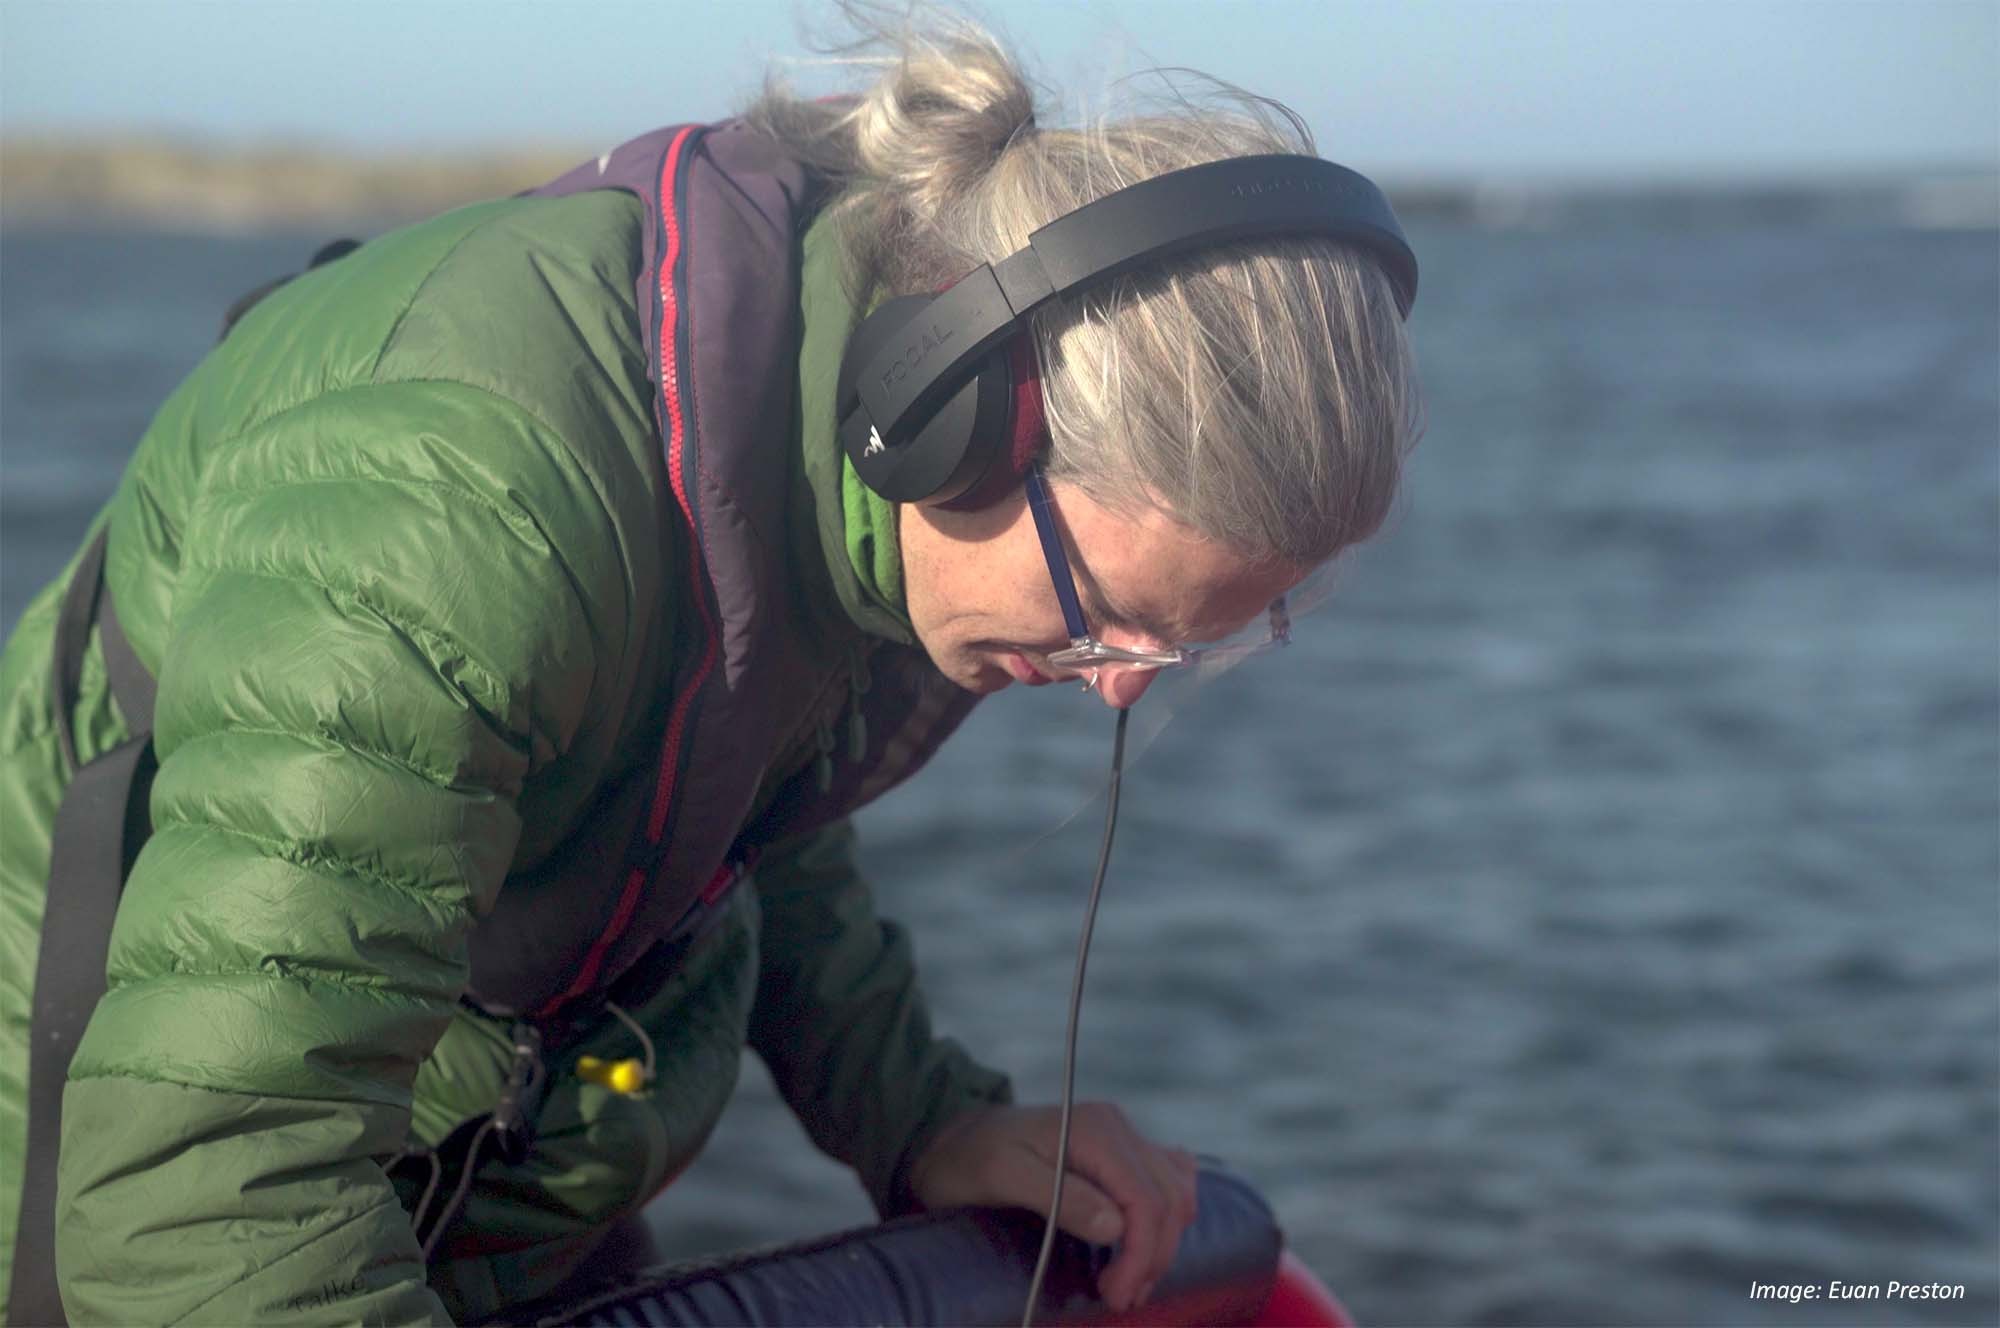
950,452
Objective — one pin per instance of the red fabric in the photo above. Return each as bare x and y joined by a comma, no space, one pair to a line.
1031,425
1300,1300
1028,431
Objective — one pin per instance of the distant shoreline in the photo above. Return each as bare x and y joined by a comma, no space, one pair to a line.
168,184
158,183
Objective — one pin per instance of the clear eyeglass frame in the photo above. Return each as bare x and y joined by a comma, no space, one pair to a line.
1088,657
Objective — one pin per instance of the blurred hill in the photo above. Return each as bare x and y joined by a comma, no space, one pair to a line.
178,185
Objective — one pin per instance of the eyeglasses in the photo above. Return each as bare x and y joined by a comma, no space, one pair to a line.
1088,655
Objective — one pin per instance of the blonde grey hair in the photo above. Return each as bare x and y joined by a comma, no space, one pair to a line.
1262,393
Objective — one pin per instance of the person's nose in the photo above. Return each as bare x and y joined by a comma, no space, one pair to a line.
1121,688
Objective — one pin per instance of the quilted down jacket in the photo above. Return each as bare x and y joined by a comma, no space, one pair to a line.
406,557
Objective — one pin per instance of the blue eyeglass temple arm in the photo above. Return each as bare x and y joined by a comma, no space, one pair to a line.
1052,550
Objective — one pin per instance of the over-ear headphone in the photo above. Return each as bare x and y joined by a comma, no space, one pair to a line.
938,401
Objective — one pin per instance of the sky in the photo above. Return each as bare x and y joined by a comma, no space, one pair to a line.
1596,90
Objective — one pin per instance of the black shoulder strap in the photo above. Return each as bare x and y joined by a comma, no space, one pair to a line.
131,685
79,606
99,827
86,873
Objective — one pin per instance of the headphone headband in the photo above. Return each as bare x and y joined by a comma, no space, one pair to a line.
1215,203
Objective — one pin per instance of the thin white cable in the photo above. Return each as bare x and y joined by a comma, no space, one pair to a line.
637,1032
1075,1017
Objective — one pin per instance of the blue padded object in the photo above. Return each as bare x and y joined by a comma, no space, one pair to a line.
965,1267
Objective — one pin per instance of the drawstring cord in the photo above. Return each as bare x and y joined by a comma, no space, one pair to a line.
823,762
857,724
824,742
626,1076
637,1032
509,1122
430,1187
457,1201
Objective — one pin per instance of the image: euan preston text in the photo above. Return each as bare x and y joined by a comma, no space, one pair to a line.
1838,1290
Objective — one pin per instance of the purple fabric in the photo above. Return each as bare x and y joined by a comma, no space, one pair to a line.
740,207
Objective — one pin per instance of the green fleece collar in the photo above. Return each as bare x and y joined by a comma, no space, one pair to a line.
857,526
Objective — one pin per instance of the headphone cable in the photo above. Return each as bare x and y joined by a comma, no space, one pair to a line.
1075,1014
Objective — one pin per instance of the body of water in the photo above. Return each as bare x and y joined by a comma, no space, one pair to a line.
1597,911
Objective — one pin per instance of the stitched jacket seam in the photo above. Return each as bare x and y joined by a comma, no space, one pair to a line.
516,520
292,1254
396,328
416,631
289,851
436,779
300,975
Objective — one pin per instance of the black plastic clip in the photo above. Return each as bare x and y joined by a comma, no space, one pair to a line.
513,1119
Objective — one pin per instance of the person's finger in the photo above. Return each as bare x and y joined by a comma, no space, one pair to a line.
1170,1215
1105,1148
1175,1172
1184,1177
1173,1216
1023,1177
1188,1168
1166,1235
1088,1213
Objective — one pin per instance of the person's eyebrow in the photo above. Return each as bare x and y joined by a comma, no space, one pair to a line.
1100,606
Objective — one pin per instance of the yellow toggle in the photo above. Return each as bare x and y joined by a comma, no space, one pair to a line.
627,1077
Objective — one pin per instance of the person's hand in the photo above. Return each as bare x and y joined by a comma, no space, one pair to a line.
1121,1187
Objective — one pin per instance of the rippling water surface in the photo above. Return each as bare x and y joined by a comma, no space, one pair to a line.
1597,911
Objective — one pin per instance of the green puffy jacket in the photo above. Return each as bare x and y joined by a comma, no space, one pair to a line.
398,553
